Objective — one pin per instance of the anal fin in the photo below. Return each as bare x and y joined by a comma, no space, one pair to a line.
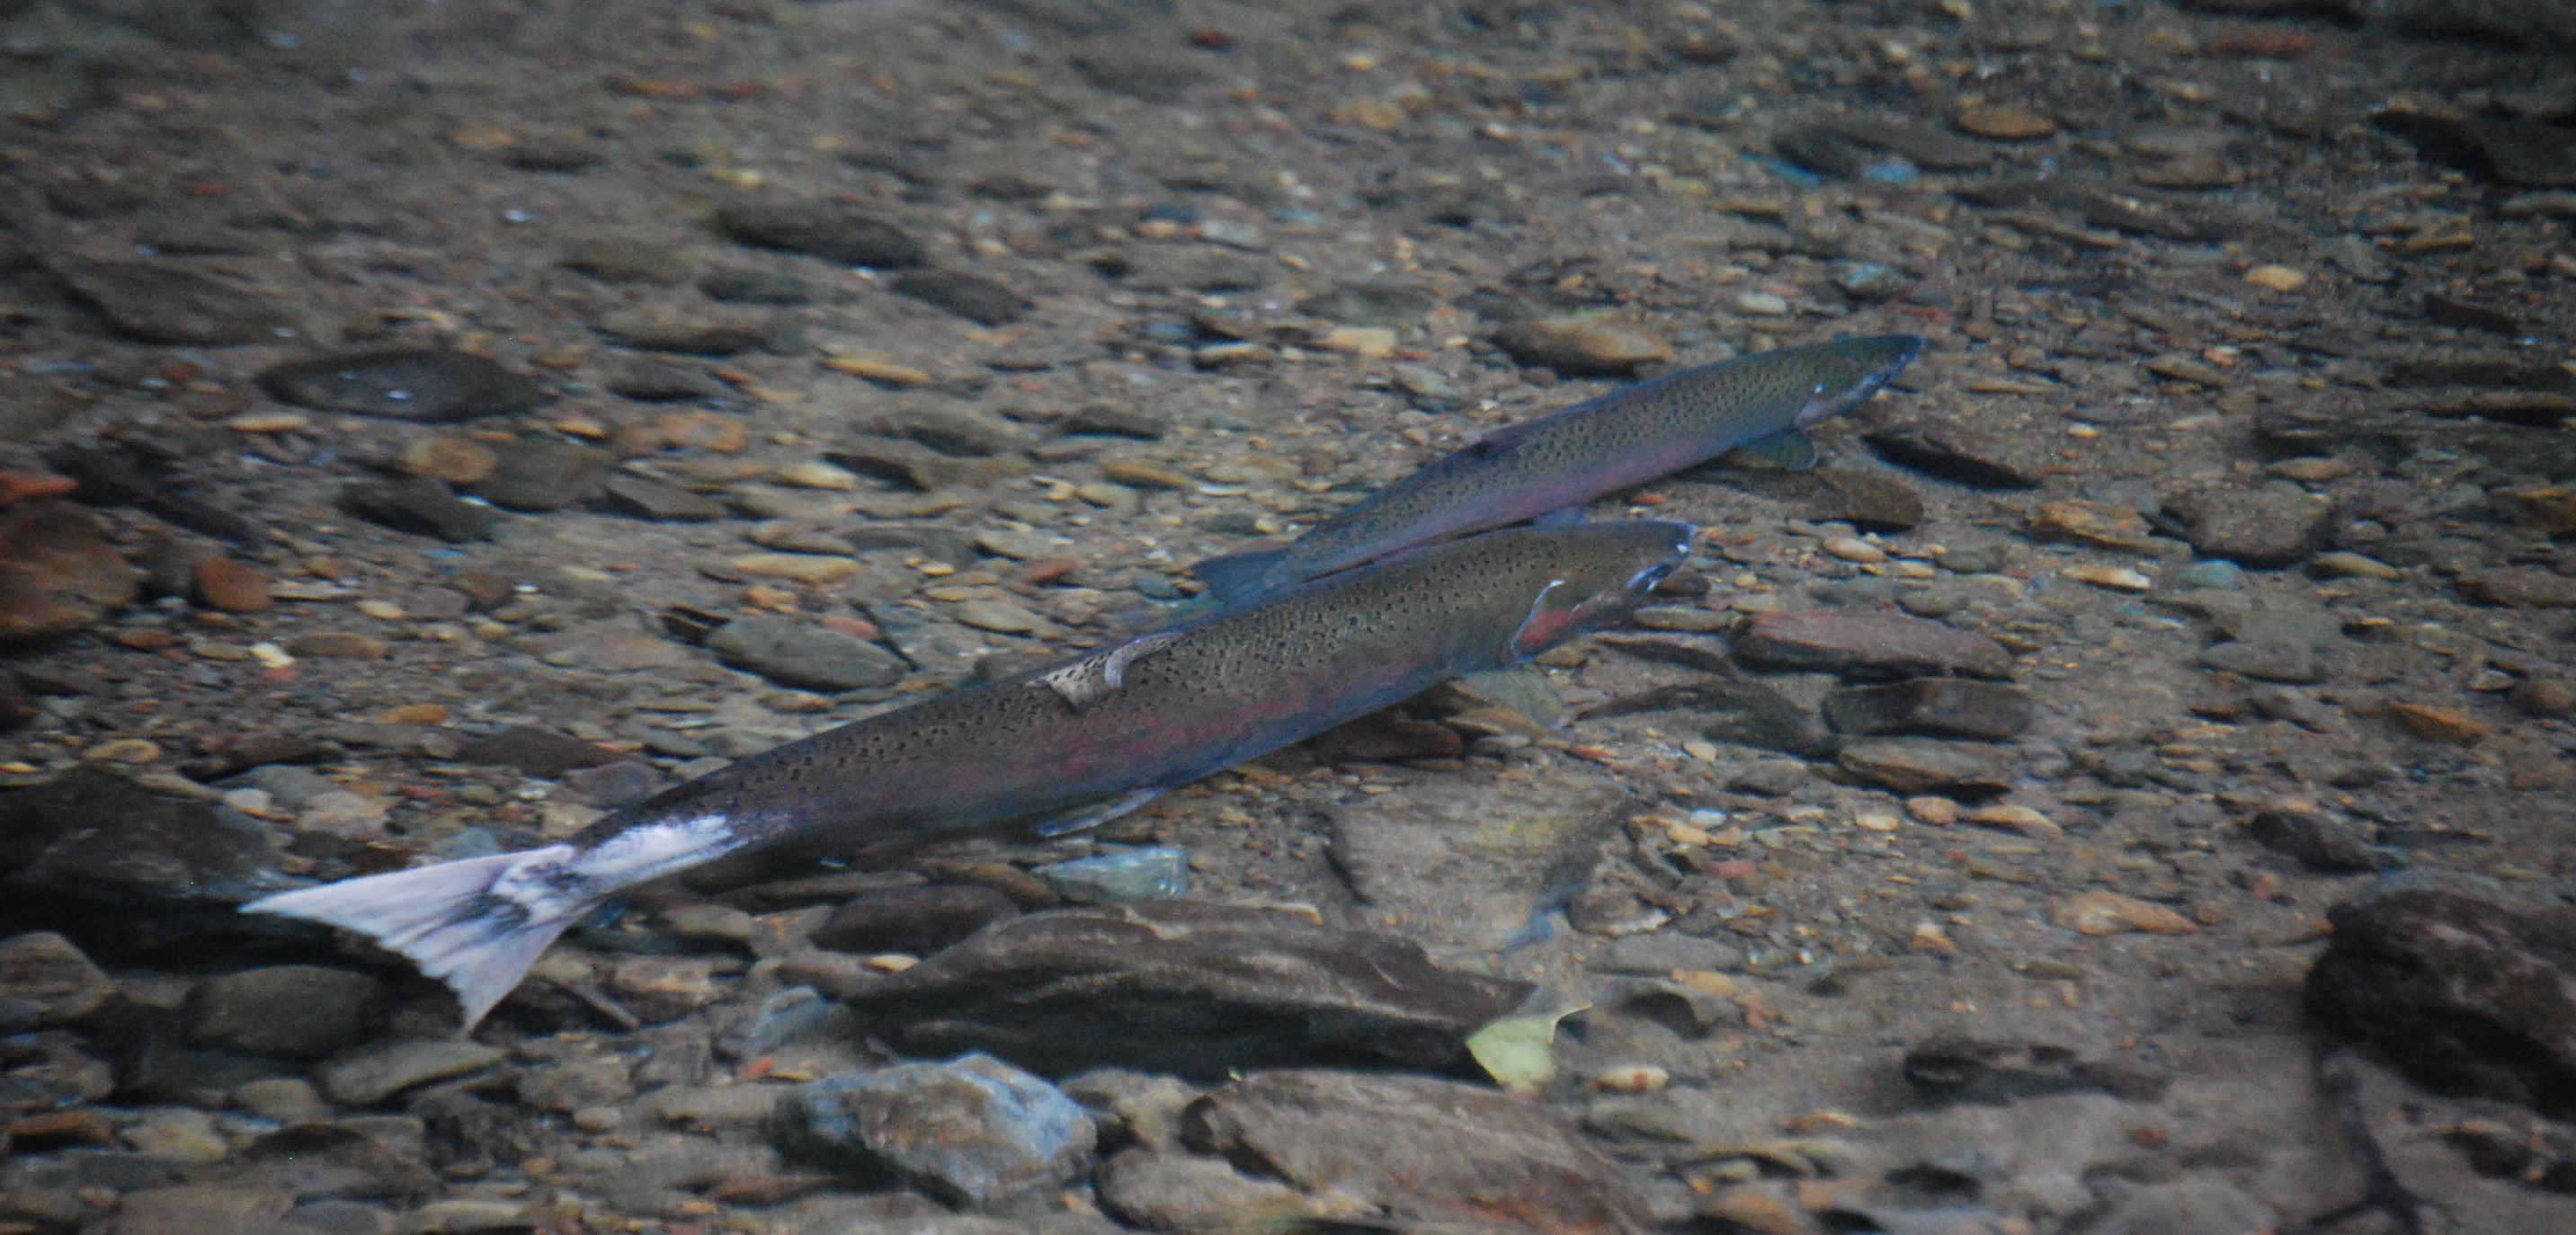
1525,692
1094,814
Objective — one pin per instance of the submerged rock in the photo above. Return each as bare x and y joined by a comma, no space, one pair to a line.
1868,642
2465,995
429,385
1423,1150
1182,987
58,573
967,1130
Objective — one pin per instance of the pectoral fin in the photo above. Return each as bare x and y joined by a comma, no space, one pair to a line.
1559,517
1526,692
1093,815
1085,682
1548,618
1791,451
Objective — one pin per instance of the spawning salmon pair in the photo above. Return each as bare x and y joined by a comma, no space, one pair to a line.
1393,595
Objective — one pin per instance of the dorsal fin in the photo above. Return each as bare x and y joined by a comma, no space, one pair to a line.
1085,682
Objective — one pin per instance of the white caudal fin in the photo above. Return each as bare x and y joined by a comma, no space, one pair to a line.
475,924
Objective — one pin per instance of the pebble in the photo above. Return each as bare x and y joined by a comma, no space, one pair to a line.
918,921
2015,817
792,653
2276,278
743,285
419,505
1954,707
454,460
1421,1151
629,259
1185,1192
2344,564
290,1011
230,585
1116,420
970,296
1151,873
176,1135
1957,452
1871,281
2004,122
967,1130
534,751
2293,661
1933,812
156,302
715,330
2521,587
2092,523
58,573
1583,346
1761,304
1854,549
1373,342
2260,528
1000,617
2102,912
2542,697
1922,765
1690,618
2186,369
2320,844
46,981
282,1099
417,384
1868,642
200,1209
2222,576
829,230
2115,578
270,421
2438,724
651,499
369,1074
811,568
1141,476
657,989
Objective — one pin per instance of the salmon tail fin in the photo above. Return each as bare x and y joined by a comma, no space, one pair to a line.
476,924
1236,575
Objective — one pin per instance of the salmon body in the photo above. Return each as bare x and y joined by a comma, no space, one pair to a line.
1063,746
1568,457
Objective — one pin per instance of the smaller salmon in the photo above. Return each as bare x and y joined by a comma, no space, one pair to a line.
1561,460
1062,747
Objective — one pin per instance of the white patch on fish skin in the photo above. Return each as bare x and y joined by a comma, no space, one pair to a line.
633,856
1087,681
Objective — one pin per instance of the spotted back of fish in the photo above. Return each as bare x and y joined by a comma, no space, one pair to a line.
1214,691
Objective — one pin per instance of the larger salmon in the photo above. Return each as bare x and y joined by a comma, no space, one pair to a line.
1568,457
1063,746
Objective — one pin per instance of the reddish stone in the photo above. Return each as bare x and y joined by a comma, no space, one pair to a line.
232,586
57,572
16,487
